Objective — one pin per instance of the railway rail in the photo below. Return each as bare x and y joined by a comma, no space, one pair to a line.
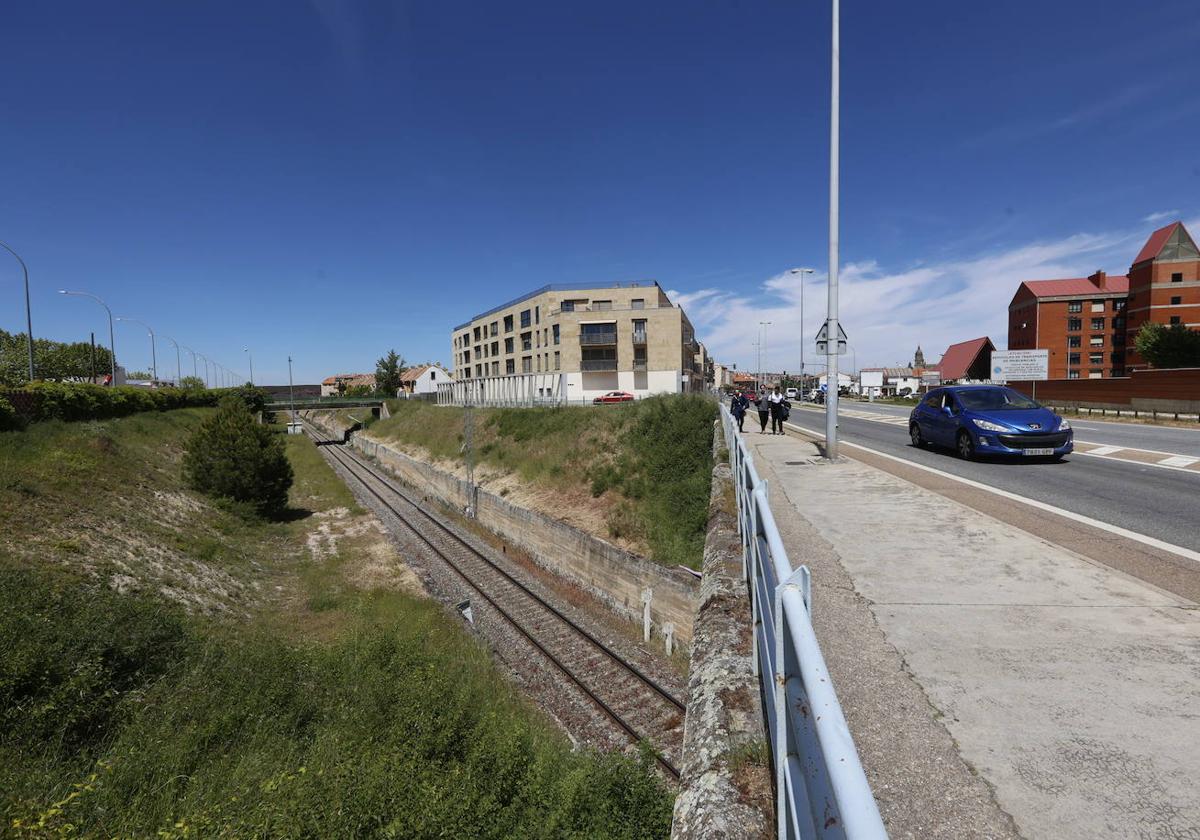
638,706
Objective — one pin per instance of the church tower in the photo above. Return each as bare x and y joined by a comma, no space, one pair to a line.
919,358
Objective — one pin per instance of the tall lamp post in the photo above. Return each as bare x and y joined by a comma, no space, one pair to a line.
153,350
251,357
291,393
831,321
195,373
207,381
112,342
28,315
178,371
801,272
761,330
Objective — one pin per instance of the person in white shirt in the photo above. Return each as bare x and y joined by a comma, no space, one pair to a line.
775,401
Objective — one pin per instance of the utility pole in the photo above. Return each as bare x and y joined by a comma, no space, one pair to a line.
468,425
831,321
291,392
250,356
761,332
801,272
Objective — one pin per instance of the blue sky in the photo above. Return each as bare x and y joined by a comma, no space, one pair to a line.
331,179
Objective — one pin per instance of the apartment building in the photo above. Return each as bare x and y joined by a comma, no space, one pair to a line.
1088,324
597,337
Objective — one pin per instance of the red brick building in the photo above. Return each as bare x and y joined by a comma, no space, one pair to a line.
1088,324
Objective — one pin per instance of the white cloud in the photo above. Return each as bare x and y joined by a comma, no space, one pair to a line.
888,313
1161,216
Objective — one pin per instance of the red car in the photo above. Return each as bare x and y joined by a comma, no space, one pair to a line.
613,397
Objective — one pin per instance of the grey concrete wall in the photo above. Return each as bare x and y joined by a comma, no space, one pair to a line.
725,781
614,576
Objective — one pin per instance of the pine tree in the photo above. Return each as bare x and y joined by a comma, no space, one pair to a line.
232,457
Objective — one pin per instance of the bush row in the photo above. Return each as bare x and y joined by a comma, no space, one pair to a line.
85,401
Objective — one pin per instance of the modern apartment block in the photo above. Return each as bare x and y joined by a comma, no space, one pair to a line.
1088,324
597,337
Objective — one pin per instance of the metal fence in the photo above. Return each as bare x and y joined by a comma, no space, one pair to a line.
821,789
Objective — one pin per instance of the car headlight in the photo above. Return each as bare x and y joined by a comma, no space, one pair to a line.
1063,425
989,427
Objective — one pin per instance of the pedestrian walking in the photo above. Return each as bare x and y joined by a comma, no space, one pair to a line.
764,411
775,404
738,409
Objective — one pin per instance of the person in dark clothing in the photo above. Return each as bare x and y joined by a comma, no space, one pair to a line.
764,411
738,409
775,403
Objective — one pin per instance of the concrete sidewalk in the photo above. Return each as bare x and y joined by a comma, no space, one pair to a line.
997,685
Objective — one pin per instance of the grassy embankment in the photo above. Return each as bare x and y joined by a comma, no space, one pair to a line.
646,464
251,678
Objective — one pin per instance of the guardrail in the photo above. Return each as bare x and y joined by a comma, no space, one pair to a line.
820,788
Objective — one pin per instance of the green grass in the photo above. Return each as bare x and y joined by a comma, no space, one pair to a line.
653,458
320,710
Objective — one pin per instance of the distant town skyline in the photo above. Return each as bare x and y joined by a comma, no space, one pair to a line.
329,181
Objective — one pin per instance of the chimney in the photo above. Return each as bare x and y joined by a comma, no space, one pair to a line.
1099,279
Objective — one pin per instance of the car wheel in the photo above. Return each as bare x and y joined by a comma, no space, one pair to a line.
914,432
966,448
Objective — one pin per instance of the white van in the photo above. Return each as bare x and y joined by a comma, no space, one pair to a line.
791,393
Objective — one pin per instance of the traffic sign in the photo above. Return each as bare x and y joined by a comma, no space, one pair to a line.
823,340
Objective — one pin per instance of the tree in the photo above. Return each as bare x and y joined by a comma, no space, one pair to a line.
52,360
191,383
1175,346
387,374
232,457
139,374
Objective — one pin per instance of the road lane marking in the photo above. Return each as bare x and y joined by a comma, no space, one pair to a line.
1178,461
1105,450
1178,550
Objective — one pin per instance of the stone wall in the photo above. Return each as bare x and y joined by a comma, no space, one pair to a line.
614,576
725,780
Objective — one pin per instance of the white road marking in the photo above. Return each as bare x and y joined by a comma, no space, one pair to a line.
1178,461
1034,503
1105,450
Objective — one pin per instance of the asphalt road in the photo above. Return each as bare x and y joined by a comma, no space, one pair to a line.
1172,439
1156,502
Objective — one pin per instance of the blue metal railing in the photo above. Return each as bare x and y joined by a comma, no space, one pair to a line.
821,789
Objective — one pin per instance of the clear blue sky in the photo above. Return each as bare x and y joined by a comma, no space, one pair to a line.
336,178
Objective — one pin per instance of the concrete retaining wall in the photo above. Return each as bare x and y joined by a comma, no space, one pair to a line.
616,577
725,780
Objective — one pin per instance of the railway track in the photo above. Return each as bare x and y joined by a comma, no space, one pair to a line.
631,701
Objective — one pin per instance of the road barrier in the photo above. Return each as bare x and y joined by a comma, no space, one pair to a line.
821,789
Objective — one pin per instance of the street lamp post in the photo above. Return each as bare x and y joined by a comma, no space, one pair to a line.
251,357
153,350
761,326
178,372
28,314
195,374
291,392
801,272
207,381
831,321
112,342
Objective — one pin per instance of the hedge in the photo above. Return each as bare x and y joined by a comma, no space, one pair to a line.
85,401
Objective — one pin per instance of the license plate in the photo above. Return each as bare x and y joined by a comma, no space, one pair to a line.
1038,452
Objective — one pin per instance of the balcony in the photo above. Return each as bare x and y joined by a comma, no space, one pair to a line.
598,365
639,336
593,339
639,367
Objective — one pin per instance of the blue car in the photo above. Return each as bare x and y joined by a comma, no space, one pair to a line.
988,420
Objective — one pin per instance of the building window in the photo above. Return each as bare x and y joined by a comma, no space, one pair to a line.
508,323
597,334
508,345
526,341
1074,324
637,303
495,348
526,364
1177,277
1095,358
601,305
467,356
495,328
1097,306
1072,374
1176,300
510,366
554,330
525,319
1074,341
639,331
557,361
1097,323
1072,358
537,314
568,306
432,375
476,333
1118,323
1097,341
1118,306
1095,374
1075,306
495,368
1175,320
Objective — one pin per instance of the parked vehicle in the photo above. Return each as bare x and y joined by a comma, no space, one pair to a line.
791,393
989,420
613,397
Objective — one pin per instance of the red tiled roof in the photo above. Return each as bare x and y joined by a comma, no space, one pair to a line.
957,359
1080,286
1155,243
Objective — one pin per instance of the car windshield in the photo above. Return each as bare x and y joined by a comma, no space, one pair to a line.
994,399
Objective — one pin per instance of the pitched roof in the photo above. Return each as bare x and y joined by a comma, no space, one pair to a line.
958,358
1077,286
412,374
1155,243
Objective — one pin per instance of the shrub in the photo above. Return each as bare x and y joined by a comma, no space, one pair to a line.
232,457
9,419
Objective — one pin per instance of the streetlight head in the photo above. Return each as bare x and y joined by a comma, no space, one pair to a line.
802,271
